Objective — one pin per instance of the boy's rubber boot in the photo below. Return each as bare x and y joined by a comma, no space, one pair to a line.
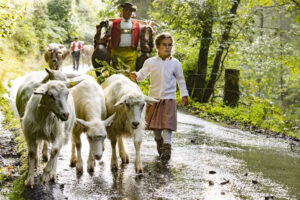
166,152
159,144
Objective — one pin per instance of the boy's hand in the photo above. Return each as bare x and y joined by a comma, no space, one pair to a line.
133,75
184,101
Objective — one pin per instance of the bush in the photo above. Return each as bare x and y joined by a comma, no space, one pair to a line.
25,41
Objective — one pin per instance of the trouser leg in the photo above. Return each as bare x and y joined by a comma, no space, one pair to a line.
167,135
77,60
73,59
158,139
166,147
157,134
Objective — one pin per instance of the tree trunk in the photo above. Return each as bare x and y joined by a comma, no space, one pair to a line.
231,89
216,65
200,79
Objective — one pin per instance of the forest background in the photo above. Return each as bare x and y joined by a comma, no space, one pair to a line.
261,38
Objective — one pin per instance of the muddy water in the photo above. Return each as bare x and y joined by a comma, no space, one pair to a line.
208,162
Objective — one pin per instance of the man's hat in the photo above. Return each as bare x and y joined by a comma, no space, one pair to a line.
129,5
76,37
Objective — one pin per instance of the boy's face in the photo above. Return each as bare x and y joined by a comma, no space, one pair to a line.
165,47
127,12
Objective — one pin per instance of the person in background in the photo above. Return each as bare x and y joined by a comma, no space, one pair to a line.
75,51
164,71
124,40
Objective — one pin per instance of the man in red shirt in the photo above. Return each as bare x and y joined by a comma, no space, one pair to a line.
75,51
125,37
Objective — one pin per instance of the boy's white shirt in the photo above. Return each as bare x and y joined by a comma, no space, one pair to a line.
125,38
163,77
76,45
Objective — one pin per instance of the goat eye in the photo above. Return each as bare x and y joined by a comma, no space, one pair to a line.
51,96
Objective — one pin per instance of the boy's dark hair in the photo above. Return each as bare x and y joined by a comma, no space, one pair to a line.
161,37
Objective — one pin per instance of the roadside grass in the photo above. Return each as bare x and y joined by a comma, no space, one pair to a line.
12,122
257,115
13,67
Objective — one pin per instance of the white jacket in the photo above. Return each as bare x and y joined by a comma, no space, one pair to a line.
163,77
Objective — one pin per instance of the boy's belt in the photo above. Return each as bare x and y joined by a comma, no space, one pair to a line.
126,31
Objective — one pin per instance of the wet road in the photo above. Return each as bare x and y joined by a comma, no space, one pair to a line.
208,162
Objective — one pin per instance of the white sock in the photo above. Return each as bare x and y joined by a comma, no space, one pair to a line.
167,135
157,134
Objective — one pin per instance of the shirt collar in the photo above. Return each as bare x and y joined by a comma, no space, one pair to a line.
168,58
123,20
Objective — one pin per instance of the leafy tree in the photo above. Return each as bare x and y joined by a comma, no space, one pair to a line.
8,18
210,22
41,23
87,18
65,20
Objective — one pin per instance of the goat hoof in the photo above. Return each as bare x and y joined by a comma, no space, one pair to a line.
29,182
125,158
114,168
139,171
90,169
45,178
53,177
45,158
78,172
73,163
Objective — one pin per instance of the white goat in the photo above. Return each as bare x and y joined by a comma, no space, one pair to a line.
125,98
49,115
90,111
31,82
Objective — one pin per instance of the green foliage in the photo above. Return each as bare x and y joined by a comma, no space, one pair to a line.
10,121
8,18
41,23
25,40
64,19
257,114
87,19
108,70
3,175
110,9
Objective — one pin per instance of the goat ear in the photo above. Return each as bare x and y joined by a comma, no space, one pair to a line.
49,71
121,101
72,75
82,123
109,120
61,46
40,90
150,99
73,83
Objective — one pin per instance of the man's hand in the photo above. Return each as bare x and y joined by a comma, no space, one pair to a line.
184,101
133,75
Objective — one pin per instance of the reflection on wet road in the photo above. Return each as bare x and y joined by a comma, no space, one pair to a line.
208,162
245,166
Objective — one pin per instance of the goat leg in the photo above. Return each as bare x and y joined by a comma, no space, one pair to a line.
122,152
137,145
32,155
